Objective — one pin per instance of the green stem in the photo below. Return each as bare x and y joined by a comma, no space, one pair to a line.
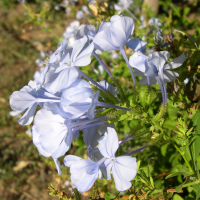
158,126
54,33
188,164
192,183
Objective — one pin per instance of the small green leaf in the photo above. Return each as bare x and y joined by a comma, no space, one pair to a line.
164,149
177,197
138,164
179,188
123,117
196,121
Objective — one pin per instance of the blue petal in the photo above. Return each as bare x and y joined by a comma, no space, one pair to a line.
36,141
20,100
127,166
84,58
137,44
121,184
78,46
82,167
109,143
85,183
163,57
27,117
70,159
137,60
177,62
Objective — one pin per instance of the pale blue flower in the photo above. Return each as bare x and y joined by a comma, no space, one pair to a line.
83,172
155,69
123,167
91,137
154,22
79,14
65,74
29,97
124,4
52,134
58,52
84,31
76,99
114,35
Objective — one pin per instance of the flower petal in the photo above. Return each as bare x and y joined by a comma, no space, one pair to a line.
121,184
137,44
151,67
61,81
127,166
81,168
36,141
163,57
78,46
27,117
85,183
169,76
109,143
177,62
20,100
138,61
84,58
70,159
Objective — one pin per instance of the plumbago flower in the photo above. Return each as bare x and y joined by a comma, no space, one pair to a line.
53,131
64,72
29,97
91,137
124,4
76,100
52,134
90,32
123,167
155,70
114,35
53,61
85,172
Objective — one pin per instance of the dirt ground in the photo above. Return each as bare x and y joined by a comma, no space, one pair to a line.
23,172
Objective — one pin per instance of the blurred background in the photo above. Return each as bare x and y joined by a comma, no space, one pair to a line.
29,31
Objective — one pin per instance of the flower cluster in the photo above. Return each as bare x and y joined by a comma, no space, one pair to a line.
68,102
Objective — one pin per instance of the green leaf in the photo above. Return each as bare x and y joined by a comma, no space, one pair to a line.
109,196
177,197
164,149
138,164
196,121
123,117
178,173
179,188
186,10
130,197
